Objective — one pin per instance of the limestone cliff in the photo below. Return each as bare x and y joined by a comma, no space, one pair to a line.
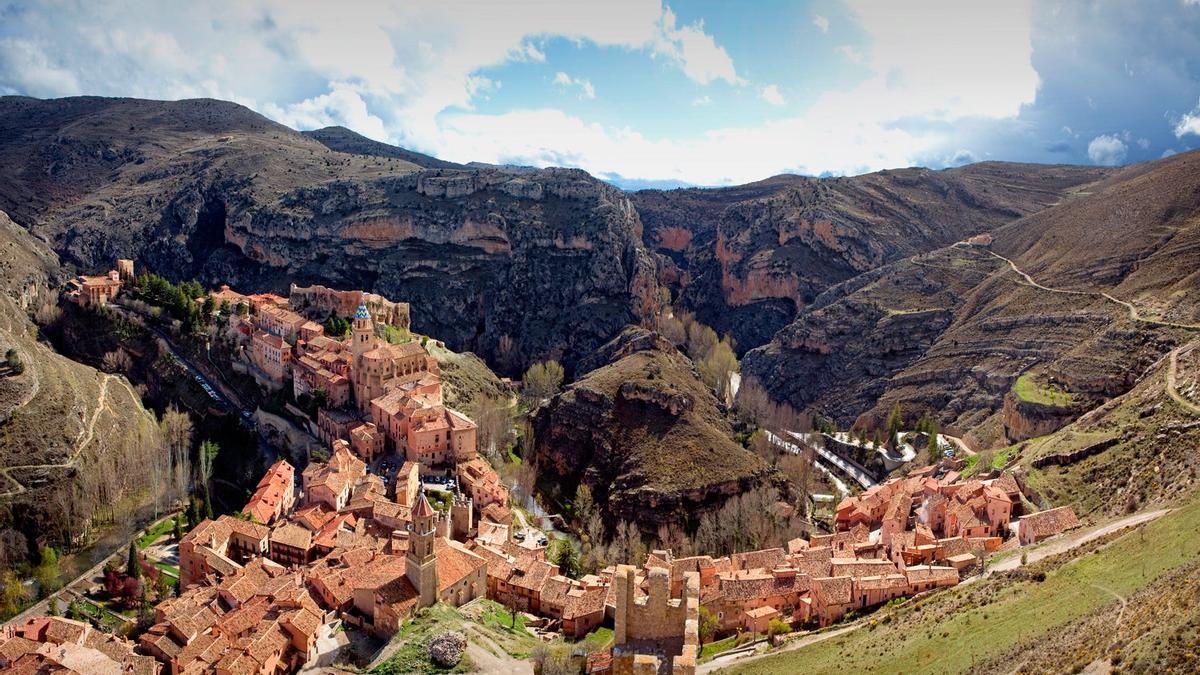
747,259
645,434
950,331
549,262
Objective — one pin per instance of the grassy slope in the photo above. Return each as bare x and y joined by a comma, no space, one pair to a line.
954,630
410,655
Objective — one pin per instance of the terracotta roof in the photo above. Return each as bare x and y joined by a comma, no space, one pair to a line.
833,590
454,562
291,534
1049,523
422,509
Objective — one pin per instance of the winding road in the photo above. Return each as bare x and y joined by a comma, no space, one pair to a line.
1172,373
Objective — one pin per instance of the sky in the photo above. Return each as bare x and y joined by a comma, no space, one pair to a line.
650,93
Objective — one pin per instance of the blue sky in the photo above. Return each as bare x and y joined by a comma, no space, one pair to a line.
643,92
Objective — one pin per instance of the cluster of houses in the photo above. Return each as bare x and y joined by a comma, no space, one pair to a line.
52,644
259,588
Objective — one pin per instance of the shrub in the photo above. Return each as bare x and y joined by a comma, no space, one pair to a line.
446,649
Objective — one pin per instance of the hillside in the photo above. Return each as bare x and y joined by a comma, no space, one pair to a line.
1137,587
342,139
551,260
645,434
1007,353
747,258
74,442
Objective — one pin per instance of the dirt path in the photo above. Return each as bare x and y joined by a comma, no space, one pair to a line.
86,436
487,656
1053,547
725,660
1133,311
1069,541
1172,372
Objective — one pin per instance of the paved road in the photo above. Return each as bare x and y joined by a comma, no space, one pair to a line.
853,471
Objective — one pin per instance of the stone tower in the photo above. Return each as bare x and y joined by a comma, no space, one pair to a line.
362,332
420,565
362,339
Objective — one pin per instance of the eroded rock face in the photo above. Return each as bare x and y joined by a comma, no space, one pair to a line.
1025,419
747,259
645,435
549,259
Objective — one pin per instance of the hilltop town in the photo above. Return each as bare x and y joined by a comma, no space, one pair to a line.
346,542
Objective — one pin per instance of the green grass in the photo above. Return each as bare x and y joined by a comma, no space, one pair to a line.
159,529
711,649
411,657
1028,389
597,640
498,616
929,637
497,622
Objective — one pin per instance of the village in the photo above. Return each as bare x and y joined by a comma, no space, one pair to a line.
339,543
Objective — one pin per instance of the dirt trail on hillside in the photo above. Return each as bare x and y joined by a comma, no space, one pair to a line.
1129,307
86,436
1055,546
1069,541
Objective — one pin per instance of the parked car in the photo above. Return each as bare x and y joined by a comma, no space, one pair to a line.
519,536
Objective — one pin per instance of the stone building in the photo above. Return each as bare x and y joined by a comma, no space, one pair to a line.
658,633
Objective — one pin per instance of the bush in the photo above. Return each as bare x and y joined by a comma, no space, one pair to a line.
446,649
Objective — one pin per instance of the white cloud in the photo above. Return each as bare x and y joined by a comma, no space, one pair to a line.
823,24
25,68
697,53
1107,150
1189,123
586,90
852,55
533,53
410,73
770,94
702,101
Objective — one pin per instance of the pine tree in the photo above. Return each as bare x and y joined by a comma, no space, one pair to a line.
132,568
895,422
178,529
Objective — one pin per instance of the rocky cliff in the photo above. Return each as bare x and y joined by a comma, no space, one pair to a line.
645,434
746,259
950,331
549,263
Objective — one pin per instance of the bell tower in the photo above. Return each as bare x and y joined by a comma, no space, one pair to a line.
420,564
362,332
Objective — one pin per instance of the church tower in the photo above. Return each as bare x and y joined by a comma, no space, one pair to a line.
362,339
362,333
420,565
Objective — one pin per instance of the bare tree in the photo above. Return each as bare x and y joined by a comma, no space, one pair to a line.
494,420
177,434
753,403
117,361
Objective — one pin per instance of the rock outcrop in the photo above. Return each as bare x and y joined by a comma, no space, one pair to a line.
645,434
549,263
950,331
746,259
